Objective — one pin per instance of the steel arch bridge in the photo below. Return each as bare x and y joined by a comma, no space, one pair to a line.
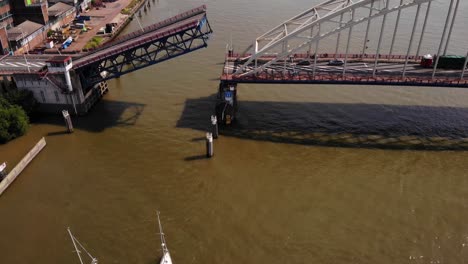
290,52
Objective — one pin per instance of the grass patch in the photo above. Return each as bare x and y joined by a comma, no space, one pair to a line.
93,43
130,6
125,11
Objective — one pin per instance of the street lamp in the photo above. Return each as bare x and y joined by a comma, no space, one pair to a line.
27,42
27,50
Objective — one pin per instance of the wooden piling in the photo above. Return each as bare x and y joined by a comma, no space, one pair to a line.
68,122
209,145
214,126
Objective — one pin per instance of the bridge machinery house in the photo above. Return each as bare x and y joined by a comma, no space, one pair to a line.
31,29
25,36
61,14
56,87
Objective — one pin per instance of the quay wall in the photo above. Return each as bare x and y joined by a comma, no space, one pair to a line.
13,174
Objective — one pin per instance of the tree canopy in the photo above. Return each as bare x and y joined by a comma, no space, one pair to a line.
13,121
23,98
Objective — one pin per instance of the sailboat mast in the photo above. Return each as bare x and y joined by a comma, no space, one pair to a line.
77,243
163,240
74,244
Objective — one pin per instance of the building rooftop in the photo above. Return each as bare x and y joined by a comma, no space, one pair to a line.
26,28
58,9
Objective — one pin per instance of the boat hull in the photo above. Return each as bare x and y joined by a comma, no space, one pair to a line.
166,259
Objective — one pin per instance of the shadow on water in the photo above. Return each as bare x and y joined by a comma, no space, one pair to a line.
194,158
154,261
339,124
57,133
105,114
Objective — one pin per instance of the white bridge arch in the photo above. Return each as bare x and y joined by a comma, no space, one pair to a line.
306,29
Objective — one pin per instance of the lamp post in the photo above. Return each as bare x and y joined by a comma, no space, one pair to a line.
27,50
27,42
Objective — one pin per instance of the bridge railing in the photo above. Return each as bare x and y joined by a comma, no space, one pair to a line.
115,51
348,79
332,56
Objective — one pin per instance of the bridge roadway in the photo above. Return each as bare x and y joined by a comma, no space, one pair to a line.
34,63
300,69
14,64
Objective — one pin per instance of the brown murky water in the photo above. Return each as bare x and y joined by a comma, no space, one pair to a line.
267,196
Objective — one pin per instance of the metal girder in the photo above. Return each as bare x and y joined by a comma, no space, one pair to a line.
295,33
147,54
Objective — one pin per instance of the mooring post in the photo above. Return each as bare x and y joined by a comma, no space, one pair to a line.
214,126
68,121
209,145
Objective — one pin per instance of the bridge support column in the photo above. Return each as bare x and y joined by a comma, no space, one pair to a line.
226,107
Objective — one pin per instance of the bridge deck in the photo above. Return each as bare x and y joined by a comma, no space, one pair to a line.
359,70
162,29
15,64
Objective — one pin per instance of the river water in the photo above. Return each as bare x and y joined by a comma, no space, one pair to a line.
275,192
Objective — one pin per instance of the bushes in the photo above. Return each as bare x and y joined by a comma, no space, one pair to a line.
130,6
23,98
13,121
93,43
125,11
15,107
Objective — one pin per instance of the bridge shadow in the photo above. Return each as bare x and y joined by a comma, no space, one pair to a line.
103,115
339,124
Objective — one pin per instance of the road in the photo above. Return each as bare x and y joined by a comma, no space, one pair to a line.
12,64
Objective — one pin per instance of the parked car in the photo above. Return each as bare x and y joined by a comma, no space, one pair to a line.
336,62
303,62
83,18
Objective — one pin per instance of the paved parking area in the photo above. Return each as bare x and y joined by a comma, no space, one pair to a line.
99,18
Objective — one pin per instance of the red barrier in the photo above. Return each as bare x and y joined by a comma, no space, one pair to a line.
332,78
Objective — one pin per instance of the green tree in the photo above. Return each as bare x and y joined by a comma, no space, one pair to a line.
23,98
13,121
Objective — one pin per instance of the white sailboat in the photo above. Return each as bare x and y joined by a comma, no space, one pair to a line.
2,170
166,258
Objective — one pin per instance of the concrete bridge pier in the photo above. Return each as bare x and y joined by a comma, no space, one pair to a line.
226,107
